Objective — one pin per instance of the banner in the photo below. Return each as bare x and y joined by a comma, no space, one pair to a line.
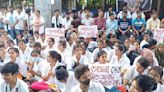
107,75
145,5
159,35
87,31
54,33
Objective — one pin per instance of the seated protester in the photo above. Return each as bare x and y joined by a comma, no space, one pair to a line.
101,57
133,52
111,25
143,83
120,58
11,83
36,36
86,52
24,51
127,44
78,57
108,46
15,58
99,47
153,23
54,60
18,37
38,46
120,14
149,56
159,53
88,20
134,15
3,54
138,25
38,67
65,79
83,75
50,46
110,11
133,71
152,44
157,72
100,21
57,19
64,52
43,40
124,26
72,38
145,40
31,42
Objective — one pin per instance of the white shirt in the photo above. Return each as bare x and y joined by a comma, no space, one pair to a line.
60,20
155,63
160,88
20,18
95,52
124,61
25,56
71,82
93,87
87,21
29,20
89,56
143,42
8,18
20,86
67,24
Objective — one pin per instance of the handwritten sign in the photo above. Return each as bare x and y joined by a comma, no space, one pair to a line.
87,31
159,35
54,33
106,75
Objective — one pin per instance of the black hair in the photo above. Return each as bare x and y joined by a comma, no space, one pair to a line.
100,53
158,69
35,51
62,42
28,10
55,55
10,41
121,48
56,10
145,46
152,42
80,70
146,83
143,62
61,73
37,44
125,12
52,39
2,44
111,14
15,50
38,11
36,32
10,67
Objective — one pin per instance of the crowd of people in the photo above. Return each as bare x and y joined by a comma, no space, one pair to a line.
31,62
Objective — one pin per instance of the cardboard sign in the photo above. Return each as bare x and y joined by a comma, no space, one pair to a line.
159,35
54,33
87,31
107,75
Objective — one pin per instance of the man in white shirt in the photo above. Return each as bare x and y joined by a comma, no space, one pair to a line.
145,40
11,83
134,15
87,21
67,21
120,14
82,74
57,19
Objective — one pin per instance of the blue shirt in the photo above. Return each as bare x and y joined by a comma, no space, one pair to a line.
124,24
111,25
138,23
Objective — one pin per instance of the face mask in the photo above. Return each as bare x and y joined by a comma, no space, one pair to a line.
35,59
86,82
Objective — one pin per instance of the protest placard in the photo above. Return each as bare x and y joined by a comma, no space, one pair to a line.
54,33
159,35
87,31
107,75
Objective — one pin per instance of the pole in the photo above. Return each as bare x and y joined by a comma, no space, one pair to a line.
117,5
158,7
